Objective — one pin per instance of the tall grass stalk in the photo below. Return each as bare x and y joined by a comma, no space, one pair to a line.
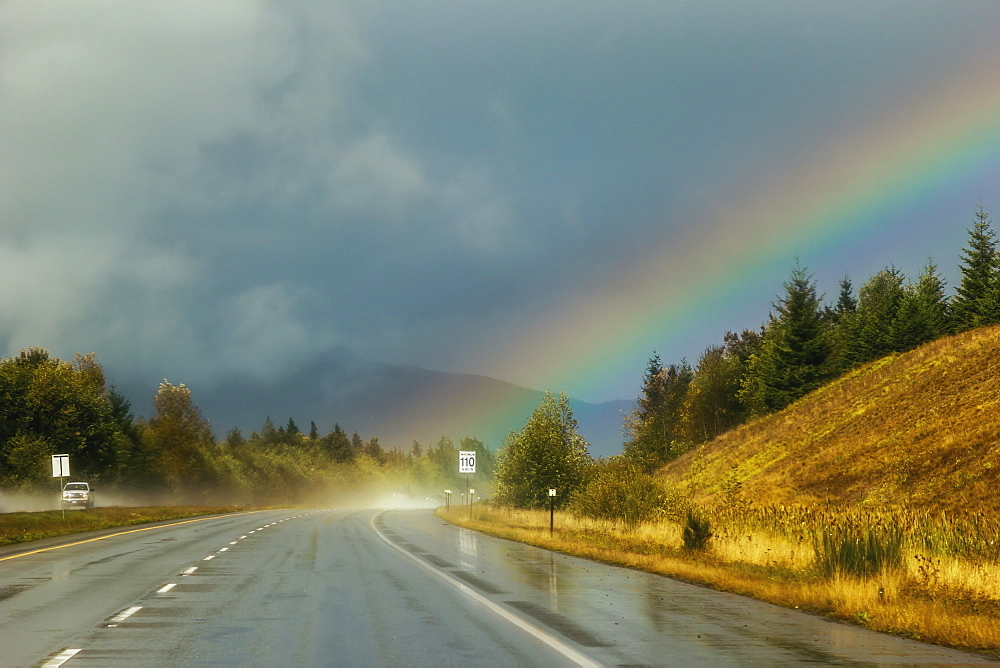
859,550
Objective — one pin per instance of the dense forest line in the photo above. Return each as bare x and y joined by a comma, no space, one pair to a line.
49,406
805,344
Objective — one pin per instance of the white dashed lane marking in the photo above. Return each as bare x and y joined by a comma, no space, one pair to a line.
122,616
60,658
67,654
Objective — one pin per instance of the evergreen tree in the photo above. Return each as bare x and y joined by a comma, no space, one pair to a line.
546,453
374,450
129,457
846,302
923,312
879,302
794,356
416,450
338,445
313,431
977,297
269,434
653,426
843,328
234,438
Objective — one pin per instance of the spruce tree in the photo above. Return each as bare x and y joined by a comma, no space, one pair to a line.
879,301
843,332
977,298
795,355
923,313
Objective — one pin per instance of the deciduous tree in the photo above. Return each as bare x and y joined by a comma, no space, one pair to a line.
546,453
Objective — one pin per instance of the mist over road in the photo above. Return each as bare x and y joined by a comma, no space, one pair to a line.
382,587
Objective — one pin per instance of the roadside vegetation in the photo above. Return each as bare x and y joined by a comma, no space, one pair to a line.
843,460
50,406
26,527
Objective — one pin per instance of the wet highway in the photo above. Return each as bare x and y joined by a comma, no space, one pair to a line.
383,587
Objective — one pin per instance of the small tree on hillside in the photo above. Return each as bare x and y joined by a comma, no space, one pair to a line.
546,453
843,331
653,426
978,293
923,313
794,356
879,303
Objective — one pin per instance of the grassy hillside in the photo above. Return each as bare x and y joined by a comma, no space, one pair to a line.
920,429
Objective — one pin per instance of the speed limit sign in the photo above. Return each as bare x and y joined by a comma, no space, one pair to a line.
467,461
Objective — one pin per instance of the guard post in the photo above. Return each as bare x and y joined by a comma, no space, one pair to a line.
552,510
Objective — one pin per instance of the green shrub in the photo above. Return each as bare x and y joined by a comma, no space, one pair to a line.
617,490
859,549
697,531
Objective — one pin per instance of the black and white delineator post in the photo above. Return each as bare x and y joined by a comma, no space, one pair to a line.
552,510
60,469
467,465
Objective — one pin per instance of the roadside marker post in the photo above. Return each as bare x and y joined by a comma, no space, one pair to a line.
552,510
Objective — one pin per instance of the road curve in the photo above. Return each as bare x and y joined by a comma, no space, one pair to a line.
396,587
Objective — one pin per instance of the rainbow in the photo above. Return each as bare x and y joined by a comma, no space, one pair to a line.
845,187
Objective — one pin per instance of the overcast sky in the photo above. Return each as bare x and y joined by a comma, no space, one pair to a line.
191,189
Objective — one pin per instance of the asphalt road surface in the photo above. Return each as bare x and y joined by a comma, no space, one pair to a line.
389,587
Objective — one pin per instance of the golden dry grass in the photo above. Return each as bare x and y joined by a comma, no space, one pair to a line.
25,527
944,600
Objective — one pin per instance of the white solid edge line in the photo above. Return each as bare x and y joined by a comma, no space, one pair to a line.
555,643
61,658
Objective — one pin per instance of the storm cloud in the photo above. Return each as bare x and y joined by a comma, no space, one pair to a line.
196,190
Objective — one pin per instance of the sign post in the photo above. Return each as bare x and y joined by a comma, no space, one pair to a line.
467,465
60,469
552,510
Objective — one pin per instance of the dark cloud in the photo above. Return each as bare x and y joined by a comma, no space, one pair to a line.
234,187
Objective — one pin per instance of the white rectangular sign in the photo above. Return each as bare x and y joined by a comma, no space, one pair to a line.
552,492
60,466
467,461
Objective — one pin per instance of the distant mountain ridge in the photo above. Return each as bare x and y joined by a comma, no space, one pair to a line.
397,403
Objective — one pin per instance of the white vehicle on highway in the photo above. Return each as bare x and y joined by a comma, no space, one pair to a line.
78,495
